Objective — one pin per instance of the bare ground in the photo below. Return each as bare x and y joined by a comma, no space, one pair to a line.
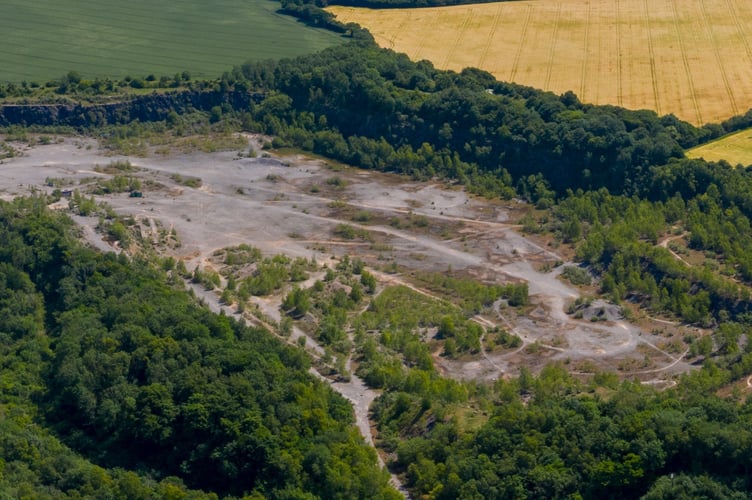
284,205
292,204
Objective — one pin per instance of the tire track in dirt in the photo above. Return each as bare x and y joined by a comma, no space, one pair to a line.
355,391
664,244
402,211
417,56
675,362
485,324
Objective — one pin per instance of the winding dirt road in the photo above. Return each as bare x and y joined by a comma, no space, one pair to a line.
283,206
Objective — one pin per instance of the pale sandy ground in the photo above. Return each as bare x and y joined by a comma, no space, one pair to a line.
269,203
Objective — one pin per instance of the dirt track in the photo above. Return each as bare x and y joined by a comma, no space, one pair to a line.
283,205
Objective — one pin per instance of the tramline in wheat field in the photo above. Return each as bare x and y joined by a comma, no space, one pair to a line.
691,58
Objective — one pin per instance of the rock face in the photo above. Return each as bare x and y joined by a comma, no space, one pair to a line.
147,108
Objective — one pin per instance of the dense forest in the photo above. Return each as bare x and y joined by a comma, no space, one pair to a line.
109,357
376,109
563,439
106,361
112,358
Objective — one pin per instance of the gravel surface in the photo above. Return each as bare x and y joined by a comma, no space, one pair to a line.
284,205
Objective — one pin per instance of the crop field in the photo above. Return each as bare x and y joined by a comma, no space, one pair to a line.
734,148
43,40
692,58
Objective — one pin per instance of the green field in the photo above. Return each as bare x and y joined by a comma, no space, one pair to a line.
734,148
43,40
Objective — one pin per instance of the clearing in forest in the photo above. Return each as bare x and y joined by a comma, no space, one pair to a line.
43,40
692,58
734,148
426,245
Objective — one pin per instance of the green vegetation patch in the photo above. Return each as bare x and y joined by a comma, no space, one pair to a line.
733,148
111,369
44,40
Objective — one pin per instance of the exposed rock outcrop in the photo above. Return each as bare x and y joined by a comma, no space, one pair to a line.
152,107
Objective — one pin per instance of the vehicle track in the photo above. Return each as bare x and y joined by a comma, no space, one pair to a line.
552,48
218,216
517,54
685,60
719,60
491,35
651,51
619,83
459,37
739,29
585,52
356,391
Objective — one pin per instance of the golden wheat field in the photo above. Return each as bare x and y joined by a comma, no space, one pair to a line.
734,148
692,58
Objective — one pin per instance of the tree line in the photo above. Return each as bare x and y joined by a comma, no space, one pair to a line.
377,109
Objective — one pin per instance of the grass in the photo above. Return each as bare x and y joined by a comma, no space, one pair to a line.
734,148
692,58
43,40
